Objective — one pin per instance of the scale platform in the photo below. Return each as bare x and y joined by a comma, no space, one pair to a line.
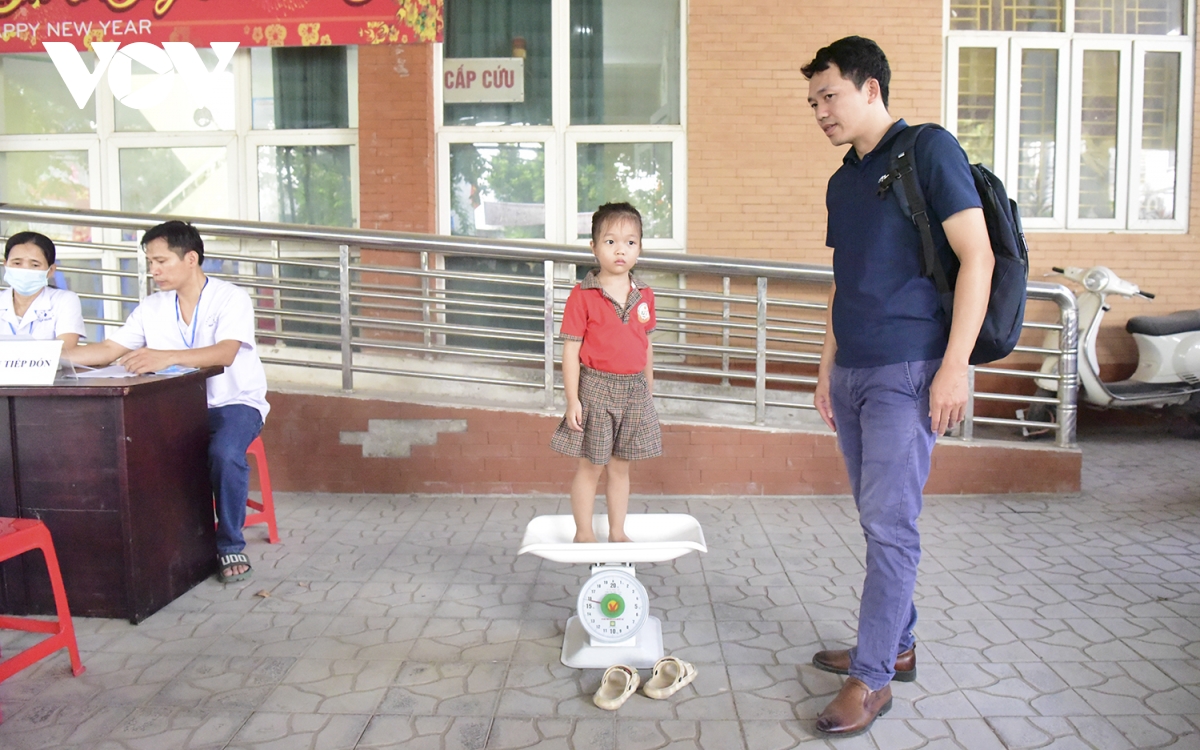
659,537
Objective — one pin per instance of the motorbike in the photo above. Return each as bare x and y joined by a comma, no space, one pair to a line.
1168,368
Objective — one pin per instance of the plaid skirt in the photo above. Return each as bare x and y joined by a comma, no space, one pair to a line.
619,419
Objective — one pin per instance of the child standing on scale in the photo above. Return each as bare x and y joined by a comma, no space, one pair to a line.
608,372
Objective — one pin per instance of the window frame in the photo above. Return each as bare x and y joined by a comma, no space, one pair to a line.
1068,126
63,142
508,135
598,134
256,138
133,141
105,142
1062,130
1183,147
561,139
1126,113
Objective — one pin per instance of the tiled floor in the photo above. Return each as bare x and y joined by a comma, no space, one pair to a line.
409,622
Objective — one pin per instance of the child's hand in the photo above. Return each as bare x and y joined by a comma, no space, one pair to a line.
574,415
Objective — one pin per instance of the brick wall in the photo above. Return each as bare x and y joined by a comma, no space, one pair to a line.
758,165
321,443
397,163
397,158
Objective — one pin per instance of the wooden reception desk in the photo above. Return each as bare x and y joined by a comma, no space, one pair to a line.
118,470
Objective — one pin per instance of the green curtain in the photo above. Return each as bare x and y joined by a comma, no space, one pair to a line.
310,87
487,28
587,62
311,92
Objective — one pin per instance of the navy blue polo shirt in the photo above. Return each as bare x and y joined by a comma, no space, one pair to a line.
884,310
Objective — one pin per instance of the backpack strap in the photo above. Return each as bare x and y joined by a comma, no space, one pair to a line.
912,200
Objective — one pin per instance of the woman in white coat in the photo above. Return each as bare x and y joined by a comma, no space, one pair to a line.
29,308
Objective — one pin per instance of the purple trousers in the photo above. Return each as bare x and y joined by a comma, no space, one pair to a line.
882,416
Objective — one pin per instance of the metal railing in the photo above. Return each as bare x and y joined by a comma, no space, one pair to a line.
731,332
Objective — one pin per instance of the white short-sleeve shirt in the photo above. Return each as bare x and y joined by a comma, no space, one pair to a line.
224,313
51,314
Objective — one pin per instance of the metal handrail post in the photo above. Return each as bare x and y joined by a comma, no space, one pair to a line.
725,328
344,296
968,423
427,334
277,294
760,355
1068,371
548,330
143,272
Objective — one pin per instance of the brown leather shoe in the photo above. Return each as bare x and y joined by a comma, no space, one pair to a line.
838,662
854,709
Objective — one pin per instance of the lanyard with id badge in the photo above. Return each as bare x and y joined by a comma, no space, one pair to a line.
189,338
189,341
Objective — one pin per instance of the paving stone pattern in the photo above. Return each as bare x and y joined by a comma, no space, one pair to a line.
410,622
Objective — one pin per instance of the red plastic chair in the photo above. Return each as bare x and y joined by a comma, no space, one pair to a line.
18,536
264,511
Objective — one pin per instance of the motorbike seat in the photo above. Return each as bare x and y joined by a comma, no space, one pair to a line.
1165,325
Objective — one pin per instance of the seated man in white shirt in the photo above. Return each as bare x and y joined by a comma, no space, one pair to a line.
197,321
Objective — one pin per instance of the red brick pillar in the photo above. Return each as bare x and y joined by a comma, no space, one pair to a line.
397,163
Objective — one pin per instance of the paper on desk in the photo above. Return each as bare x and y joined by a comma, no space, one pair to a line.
176,370
112,371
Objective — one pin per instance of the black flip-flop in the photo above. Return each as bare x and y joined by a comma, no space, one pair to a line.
231,561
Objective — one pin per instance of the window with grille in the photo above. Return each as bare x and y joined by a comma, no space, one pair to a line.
1083,107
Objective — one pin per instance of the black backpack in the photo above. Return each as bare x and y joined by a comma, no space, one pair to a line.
1006,305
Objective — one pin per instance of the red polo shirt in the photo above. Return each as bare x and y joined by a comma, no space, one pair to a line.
614,338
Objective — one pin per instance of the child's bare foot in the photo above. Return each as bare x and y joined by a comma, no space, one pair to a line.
619,537
582,538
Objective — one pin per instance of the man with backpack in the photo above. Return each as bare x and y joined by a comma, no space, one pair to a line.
893,373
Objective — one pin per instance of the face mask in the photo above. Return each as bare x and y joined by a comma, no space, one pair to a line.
25,281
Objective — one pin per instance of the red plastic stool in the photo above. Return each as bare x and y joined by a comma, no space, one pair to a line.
18,536
264,511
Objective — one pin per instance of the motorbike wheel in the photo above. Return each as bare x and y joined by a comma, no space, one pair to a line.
1186,423
1038,412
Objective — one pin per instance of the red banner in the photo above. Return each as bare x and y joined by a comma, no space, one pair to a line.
26,24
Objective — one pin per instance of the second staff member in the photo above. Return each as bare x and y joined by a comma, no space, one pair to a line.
198,321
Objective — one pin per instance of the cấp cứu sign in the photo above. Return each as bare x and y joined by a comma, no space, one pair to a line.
483,79
25,25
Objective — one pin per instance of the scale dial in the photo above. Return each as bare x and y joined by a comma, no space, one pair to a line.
613,606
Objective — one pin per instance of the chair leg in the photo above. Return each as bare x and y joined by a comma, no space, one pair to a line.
268,499
62,632
66,628
266,509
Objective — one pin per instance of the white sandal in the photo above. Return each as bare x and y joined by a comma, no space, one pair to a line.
670,674
619,682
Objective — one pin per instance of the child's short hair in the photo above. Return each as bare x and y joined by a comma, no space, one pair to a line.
611,211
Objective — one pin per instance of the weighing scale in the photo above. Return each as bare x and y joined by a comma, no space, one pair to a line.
612,623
